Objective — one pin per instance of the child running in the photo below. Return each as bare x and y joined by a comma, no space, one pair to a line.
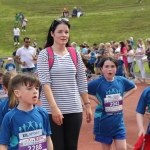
109,91
26,126
7,105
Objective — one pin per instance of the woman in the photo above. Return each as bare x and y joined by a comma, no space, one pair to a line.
148,51
62,86
123,53
140,52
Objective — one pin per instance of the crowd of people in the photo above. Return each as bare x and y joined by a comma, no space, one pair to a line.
60,83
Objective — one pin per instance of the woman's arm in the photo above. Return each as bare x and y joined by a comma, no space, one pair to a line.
92,97
87,104
130,92
56,113
49,143
139,118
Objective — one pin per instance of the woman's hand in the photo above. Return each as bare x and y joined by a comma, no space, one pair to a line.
141,132
88,113
57,116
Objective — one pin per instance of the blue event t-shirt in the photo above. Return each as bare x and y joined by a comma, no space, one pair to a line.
23,130
92,59
4,108
3,94
108,117
10,67
84,50
120,67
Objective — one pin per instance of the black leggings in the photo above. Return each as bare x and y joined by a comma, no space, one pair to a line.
65,137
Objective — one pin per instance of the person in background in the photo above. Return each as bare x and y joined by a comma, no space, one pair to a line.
148,51
26,55
10,66
65,12
139,53
62,86
16,34
21,17
1,64
24,24
34,43
26,122
132,42
3,94
16,20
74,12
16,63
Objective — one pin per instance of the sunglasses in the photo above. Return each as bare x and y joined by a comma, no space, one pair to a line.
59,20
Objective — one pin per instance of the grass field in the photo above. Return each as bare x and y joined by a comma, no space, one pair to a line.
104,20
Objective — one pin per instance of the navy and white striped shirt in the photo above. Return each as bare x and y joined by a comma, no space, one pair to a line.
66,81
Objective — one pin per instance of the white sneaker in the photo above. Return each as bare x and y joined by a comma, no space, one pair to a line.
18,43
24,30
14,43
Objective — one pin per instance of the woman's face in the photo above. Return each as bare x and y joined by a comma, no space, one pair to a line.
61,34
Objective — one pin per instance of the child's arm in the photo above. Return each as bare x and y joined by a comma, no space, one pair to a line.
139,118
94,98
49,143
3,147
129,92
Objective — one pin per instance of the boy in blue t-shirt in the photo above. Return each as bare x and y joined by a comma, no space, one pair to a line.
10,66
26,126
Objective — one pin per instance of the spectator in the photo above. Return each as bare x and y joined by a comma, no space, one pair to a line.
108,47
148,51
65,12
16,19
139,53
20,18
24,23
16,63
10,66
16,33
27,55
83,49
1,63
80,12
132,42
34,44
74,12
62,86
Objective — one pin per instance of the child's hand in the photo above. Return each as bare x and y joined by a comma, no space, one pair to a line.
142,132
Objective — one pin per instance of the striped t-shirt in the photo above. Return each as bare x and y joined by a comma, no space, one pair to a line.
66,81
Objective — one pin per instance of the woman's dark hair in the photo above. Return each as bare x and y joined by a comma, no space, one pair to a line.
55,23
122,44
115,61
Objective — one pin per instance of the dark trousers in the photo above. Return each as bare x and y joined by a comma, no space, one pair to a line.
91,67
65,137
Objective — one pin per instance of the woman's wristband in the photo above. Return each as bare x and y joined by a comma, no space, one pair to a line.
87,103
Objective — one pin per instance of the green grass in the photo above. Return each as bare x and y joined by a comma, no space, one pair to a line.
104,20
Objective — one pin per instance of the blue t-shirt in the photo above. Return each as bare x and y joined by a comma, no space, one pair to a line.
84,50
92,59
120,67
3,94
4,108
10,67
108,117
24,130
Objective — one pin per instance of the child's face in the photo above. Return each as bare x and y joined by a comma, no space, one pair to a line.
27,95
106,53
9,61
1,79
117,55
109,70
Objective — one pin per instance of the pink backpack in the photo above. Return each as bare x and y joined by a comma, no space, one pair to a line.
71,50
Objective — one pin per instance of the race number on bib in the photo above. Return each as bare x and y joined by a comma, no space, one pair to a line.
34,143
113,103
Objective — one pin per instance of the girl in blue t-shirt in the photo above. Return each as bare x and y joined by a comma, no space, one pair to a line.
26,126
109,91
6,104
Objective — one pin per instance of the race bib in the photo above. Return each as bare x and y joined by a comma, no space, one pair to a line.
113,103
33,142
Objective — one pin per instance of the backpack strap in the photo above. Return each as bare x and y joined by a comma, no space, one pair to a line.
71,50
73,55
50,57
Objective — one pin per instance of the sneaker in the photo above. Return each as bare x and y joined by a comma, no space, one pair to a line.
24,30
15,43
18,43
